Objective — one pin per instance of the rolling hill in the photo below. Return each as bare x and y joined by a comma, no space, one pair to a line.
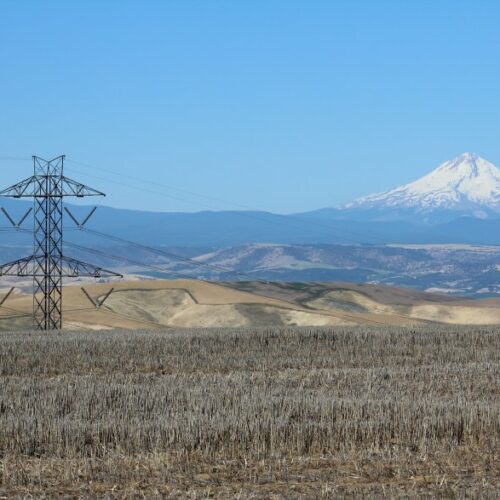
196,304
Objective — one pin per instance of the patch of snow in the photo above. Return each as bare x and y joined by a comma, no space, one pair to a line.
466,181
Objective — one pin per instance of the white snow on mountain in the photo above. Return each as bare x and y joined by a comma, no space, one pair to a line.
466,182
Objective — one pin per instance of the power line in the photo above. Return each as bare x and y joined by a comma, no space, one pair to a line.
190,277
137,188
20,313
163,185
107,310
176,274
286,220
129,261
13,158
169,255
163,253
191,261
275,219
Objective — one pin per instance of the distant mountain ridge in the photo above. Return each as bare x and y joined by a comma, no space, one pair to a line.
467,184
457,203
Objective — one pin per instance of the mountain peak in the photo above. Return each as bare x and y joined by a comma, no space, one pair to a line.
466,182
467,157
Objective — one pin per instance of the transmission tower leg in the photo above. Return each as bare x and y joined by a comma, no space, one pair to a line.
48,216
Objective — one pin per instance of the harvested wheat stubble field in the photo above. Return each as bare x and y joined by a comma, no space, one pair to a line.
260,413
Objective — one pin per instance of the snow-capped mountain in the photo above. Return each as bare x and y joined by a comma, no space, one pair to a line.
468,184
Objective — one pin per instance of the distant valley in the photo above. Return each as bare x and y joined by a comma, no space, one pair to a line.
466,270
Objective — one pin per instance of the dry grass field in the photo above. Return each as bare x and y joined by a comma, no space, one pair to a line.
175,303
251,413
199,304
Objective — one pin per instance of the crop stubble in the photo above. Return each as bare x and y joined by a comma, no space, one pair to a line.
252,412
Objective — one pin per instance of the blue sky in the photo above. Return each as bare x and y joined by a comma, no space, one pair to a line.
279,105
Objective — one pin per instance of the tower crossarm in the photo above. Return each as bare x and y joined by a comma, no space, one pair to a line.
33,266
20,267
23,189
74,268
74,188
34,187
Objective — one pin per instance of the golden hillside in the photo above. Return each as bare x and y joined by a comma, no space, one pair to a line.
192,303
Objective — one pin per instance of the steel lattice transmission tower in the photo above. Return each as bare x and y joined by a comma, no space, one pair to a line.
48,266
